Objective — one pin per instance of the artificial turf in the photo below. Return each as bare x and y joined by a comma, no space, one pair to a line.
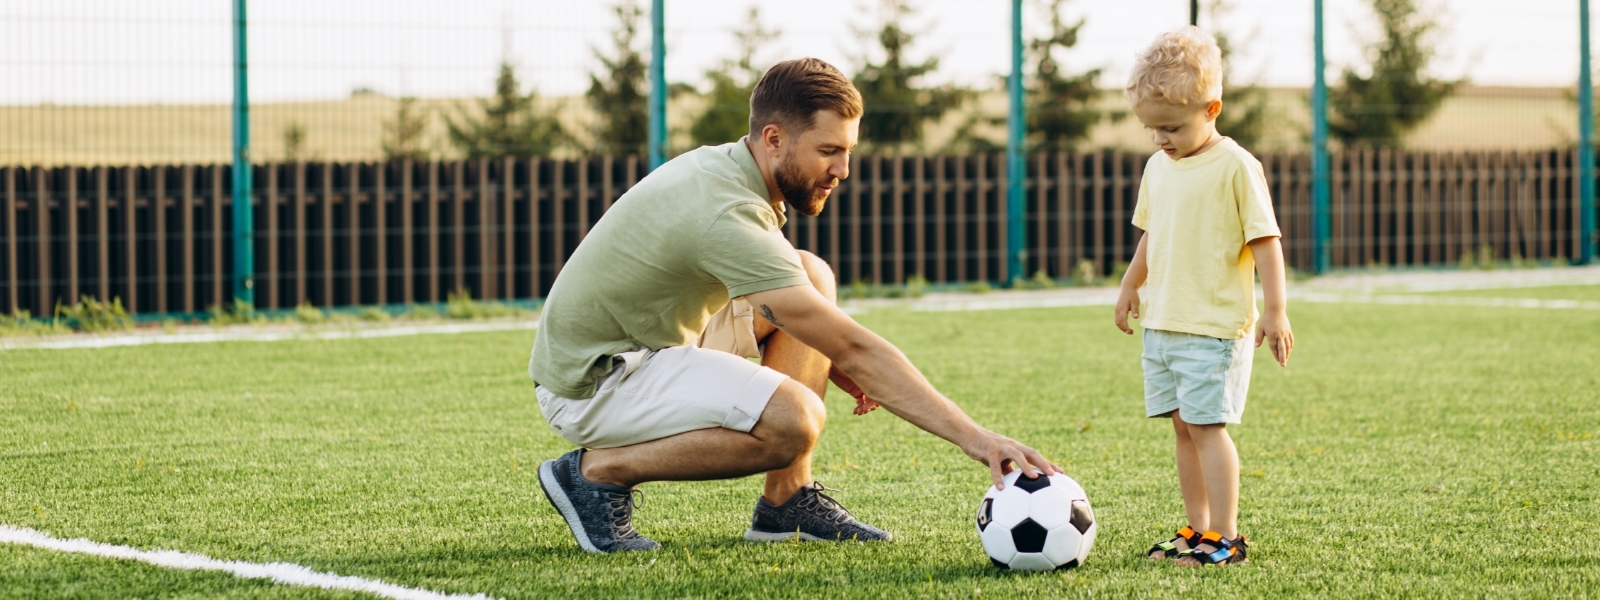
1406,451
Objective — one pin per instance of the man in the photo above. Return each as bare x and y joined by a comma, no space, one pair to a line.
641,349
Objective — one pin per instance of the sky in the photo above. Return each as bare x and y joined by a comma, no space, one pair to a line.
180,51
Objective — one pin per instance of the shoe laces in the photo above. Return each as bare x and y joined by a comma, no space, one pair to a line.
825,504
622,505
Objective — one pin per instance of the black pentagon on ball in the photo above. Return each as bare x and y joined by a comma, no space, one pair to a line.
985,513
1029,536
1082,517
1033,485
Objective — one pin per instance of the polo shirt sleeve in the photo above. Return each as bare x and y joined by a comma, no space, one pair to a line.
746,251
1256,218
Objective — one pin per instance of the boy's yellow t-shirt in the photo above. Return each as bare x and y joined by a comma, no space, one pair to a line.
1199,215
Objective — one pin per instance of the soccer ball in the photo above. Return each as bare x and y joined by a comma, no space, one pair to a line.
1036,524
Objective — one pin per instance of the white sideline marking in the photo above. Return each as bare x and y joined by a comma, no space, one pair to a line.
1323,298
265,336
284,573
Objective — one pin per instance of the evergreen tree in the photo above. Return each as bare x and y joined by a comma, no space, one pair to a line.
510,124
1244,109
294,142
619,97
897,106
727,114
1378,109
1061,107
402,136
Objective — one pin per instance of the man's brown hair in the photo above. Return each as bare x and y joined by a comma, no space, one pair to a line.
791,93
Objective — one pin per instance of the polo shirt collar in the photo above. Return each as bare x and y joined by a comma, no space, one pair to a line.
752,176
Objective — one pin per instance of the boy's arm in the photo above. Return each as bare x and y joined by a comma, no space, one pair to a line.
1274,325
1128,300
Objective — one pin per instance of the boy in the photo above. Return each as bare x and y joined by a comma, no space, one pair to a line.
1208,223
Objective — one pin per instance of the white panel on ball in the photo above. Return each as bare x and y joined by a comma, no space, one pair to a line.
1031,561
1011,506
997,543
1064,544
1048,507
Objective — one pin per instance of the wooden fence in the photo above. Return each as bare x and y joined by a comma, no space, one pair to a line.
401,232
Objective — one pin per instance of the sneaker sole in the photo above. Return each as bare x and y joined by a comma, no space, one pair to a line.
762,536
551,487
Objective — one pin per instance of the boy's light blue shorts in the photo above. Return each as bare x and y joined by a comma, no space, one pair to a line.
1204,378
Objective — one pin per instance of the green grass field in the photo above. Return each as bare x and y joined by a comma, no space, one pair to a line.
1407,451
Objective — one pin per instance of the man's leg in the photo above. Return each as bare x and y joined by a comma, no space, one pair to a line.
784,354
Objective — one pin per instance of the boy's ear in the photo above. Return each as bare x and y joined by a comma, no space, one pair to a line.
1213,109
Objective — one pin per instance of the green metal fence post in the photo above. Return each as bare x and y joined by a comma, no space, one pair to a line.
243,228
1321,233
658,83
1016,166
1194,12
1585,137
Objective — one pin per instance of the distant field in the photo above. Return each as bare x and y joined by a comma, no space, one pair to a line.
1442,451
1501,118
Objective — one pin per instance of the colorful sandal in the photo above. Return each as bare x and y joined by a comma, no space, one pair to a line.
1169,548
1227,551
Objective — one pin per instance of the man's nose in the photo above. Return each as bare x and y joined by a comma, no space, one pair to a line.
840,168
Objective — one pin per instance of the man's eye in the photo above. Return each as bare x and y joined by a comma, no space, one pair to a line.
1170,129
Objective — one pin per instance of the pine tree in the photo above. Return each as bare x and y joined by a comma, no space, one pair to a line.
510,124
1061,107
619,97
402,136
1378,109
727,114
897,106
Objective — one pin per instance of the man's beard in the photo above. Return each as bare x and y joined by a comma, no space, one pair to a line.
797,191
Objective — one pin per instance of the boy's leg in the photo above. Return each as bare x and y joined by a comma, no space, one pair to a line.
1191,479
1218,460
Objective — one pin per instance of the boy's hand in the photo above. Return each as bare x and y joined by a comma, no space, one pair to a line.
1274,329
864,404
1128,305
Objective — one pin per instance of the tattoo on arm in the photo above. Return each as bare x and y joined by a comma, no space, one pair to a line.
766,312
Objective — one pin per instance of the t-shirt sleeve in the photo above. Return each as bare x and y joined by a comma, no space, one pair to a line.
1141,208
1256,218
746,251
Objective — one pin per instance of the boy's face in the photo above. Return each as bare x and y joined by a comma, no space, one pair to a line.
1179,130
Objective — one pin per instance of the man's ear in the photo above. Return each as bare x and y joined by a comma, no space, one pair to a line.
1213,109
772,137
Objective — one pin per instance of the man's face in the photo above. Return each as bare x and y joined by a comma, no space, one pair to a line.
813,163
1179,130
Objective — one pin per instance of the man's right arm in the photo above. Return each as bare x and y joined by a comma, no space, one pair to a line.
887,376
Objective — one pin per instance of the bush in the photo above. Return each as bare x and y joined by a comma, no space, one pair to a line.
307,314
93,316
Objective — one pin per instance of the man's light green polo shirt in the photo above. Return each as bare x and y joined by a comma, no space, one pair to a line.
673,250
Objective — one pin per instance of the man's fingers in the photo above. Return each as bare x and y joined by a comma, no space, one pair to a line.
997,474
1045,466
1261,335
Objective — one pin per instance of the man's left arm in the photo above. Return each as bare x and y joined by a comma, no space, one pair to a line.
1274,325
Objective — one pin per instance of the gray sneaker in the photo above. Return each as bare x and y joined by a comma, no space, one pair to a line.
809,515
600,515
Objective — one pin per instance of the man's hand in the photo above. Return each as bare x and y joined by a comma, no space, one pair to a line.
1127,305
1274,328
864,404
1002,454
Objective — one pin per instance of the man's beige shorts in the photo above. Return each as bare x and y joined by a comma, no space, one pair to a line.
653,394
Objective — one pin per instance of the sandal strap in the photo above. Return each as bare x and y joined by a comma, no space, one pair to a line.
1224,549
1170,547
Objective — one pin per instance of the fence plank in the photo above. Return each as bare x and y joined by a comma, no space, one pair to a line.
130,237
41,219
558,218
897,210
102,244
508,228
535,279
433,231
380,232
353,232
487,232
269,279
12,291
408,232
301,227
188,226
458,225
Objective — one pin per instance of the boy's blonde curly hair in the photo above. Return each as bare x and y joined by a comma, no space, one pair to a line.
1180,67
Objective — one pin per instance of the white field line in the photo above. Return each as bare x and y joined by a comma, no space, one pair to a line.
284,573
264,336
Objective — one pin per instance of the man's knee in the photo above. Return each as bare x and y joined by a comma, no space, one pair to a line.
820,273
791,423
